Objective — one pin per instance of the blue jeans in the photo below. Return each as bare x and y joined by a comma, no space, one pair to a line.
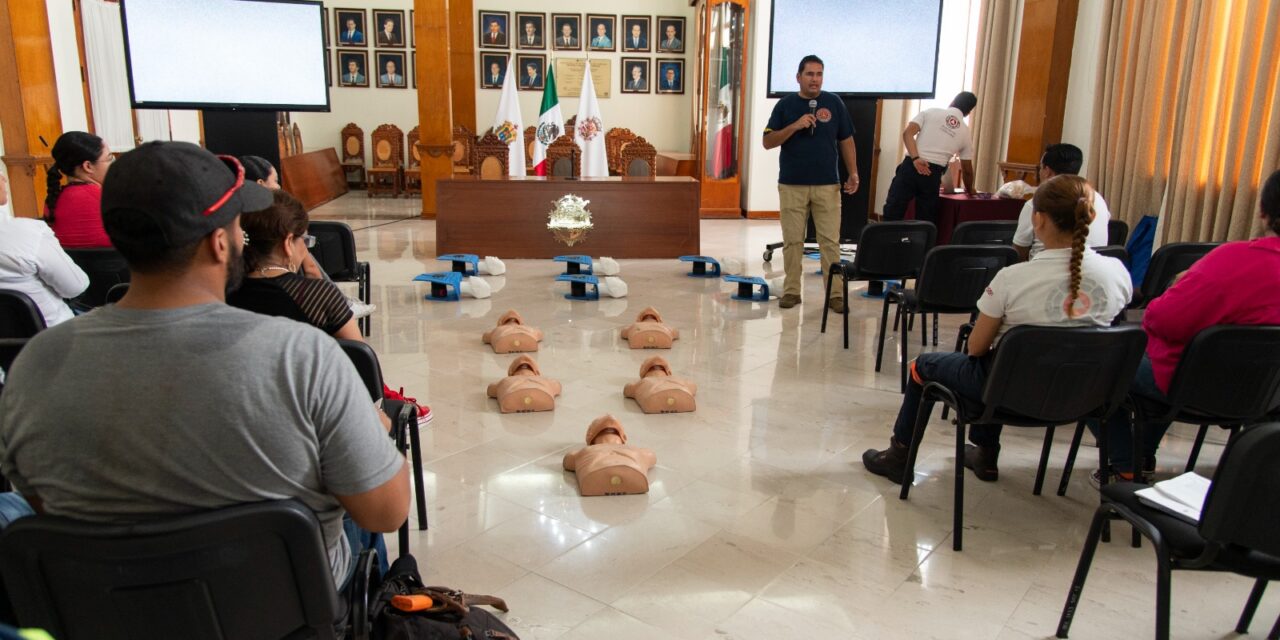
359,539
964,375
12,507
1151,401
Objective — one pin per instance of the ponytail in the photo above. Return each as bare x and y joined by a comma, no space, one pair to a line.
1083,216
1067,200
54,185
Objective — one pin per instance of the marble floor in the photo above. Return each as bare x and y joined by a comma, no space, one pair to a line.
760,521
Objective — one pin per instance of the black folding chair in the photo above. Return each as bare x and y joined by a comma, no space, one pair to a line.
1236,531
985,232
106,268
404,425
254,571
1166,263
1040,377
1117,232
335,252
19,315
951,281
886,251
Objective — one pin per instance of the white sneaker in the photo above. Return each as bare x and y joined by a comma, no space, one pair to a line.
360,309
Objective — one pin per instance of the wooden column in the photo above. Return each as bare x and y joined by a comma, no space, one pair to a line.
435,114
29,111
462,63
1044,64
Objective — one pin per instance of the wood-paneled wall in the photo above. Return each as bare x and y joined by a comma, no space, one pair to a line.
1044,67
435,110
29,111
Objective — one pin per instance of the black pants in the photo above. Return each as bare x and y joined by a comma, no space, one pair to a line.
907,184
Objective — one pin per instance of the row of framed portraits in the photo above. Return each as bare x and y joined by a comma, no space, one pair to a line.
389,28
635,77
391,70
568,32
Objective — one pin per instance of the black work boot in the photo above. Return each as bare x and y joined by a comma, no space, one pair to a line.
982,460
890,463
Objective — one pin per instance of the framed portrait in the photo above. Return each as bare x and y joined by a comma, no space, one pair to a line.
532,68
493,70
670,34
413,33
349,25
391,69
531,30
328,74
600,29
353,68
635,33
635,75
493,28
670,75
413,67
324,26
389,26
566,31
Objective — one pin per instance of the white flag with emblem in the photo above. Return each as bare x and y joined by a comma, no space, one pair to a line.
509,126
589,131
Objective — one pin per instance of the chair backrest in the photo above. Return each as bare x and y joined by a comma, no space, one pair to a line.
248,571
1170,260
1114,251
614,140
415,157
19,315
893,250
366,362
1062,374
464,148
1117,232
260,295
1029,173
570,124
297,139
106,268
1229,372
639,158
283,140
388,146
956,275
984,232
564,148
335,249
352,143
492,156
1240,508
530,139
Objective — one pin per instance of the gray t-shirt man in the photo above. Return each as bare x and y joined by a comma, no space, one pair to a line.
131,415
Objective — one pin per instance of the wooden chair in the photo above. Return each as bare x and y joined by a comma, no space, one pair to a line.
297,139
413,168
614,140
570,124
639,159
564,158
530,139
1010,171
491,157
464,149
386,174
353,155
283,140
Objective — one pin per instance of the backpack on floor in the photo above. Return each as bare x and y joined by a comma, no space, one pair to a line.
454,615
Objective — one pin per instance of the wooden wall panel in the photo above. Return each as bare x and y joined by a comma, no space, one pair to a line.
1040,91
29,111
435,111
462,64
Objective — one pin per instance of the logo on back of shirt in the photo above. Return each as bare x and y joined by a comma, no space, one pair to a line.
1058,306
824,115
953,122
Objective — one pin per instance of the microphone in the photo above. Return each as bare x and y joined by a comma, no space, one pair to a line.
813,109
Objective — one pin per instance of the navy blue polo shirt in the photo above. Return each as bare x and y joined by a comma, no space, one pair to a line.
811,159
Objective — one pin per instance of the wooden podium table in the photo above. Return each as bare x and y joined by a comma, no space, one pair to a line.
954,209
507,217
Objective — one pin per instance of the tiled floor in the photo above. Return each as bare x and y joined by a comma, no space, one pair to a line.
760,521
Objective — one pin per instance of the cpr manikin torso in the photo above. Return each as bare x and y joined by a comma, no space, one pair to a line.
511,335
608,466
524,389
658,391
649,332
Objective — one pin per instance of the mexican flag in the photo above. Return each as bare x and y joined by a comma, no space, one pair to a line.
723,154
509,126
550,124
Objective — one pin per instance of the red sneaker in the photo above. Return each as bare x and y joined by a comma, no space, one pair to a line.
424,411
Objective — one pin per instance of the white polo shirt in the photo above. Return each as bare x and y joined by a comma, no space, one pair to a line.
943,135
1035,292
1025,236
32,261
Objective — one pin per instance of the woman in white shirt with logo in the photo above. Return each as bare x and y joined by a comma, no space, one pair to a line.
1065,284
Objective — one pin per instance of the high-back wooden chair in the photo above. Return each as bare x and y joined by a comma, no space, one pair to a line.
297,139
570,124
614,140
464,149
639,159
386,174
1010,171
283,140
413,166
492,156
564,158
353,155
530,140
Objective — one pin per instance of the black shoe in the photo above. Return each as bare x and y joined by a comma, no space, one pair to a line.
890,463
982,460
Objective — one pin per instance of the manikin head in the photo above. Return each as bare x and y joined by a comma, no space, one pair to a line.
809,76
606,430
655,366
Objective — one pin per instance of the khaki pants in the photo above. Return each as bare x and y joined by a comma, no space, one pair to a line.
796,202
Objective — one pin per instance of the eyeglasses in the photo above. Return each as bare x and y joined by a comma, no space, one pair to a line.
308,240
234,165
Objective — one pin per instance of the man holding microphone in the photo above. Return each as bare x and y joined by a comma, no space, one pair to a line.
815,132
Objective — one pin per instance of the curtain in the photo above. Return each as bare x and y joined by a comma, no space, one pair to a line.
153,124
996,62
108,79
1188,122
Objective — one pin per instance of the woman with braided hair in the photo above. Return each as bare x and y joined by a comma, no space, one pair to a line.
1066,284
74,209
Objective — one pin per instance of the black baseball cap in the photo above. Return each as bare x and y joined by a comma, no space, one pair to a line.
186,191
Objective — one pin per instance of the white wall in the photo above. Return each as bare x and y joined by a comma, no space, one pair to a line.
1077,123
664,120
760,182
66,67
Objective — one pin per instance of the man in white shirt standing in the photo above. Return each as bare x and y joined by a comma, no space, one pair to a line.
1060,159
932,139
